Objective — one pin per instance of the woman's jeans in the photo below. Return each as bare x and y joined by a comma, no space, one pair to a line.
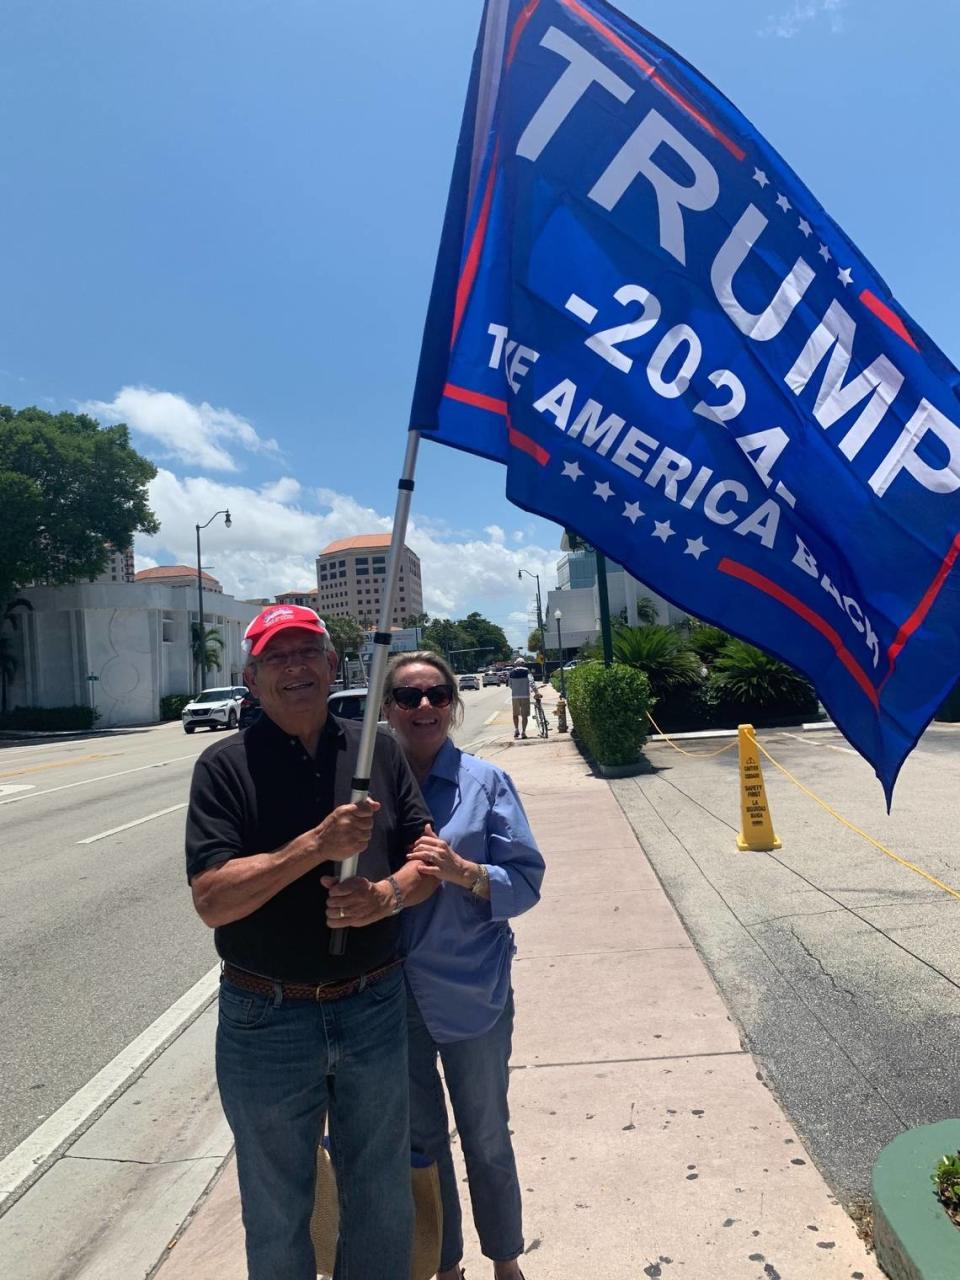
476,1074
281,1066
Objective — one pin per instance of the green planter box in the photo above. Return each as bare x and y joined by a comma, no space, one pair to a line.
913,1236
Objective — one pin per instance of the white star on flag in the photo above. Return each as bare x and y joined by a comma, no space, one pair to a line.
696,548
804,226
602,490
761,177
572,470
632,512
845,276
784,203
662,530
824,253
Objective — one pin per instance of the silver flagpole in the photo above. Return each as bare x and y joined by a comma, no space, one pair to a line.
378,667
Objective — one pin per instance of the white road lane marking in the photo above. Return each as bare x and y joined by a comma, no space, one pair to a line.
8,788
808,741
104,777
135,823
37,1152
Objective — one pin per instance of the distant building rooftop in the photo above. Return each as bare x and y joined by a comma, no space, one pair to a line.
163,572
362,542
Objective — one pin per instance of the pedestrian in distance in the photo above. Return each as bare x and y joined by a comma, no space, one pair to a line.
520,681
304,1035
458,947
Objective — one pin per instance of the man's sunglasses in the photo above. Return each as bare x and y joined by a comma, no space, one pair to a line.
409,697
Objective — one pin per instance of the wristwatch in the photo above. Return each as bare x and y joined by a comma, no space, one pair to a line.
481,882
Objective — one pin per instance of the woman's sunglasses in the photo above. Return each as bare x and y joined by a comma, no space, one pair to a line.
409,697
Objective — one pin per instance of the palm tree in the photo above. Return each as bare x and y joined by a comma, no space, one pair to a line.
8,661
751,677
661,653
207,646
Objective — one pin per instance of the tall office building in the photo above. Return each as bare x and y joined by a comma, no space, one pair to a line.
350,577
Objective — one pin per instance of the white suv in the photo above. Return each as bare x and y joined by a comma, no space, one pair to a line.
217,708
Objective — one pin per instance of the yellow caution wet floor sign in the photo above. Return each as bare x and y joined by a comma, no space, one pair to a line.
756,827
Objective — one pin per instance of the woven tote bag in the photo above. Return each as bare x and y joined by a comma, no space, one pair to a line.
427,1215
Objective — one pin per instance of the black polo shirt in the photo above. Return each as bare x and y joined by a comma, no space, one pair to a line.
254,792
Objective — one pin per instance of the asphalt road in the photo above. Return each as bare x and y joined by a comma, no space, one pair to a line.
98,936
841,966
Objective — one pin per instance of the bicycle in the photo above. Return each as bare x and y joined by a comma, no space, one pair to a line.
540,716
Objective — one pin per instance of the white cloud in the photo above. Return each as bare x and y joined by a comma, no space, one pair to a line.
278,529
286,489
196,434
143,562
787,24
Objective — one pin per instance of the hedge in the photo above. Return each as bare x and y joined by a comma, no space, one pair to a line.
609,710
50,718
172,704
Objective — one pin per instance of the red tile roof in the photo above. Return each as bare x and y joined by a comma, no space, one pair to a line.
362,542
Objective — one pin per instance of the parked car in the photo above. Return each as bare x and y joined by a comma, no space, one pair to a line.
249,711
490,677
349,704
215,708
469,682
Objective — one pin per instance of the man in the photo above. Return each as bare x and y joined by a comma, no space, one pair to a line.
303,1034
520,681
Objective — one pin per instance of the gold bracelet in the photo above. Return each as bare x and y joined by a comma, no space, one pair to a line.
481,882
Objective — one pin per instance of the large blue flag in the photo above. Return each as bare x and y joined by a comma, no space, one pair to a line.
642,311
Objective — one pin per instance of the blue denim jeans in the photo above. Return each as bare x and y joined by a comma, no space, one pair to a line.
476,1074
281,1066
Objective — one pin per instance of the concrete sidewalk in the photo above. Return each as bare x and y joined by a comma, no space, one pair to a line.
647,1142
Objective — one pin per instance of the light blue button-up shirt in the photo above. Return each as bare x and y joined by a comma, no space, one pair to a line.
458,947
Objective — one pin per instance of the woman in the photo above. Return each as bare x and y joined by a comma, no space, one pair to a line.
458,947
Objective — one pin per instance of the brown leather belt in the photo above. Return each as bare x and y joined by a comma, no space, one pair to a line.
305,990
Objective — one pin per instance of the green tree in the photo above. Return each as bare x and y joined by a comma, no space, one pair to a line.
67,488
749,676
661,653
445,637
8,662
646,612
535,641
206,644
706,640
346,634
487,637
417,620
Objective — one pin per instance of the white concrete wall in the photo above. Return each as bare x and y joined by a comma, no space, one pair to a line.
133,637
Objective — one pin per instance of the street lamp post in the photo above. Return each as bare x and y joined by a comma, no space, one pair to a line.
563,684
543,639
200,652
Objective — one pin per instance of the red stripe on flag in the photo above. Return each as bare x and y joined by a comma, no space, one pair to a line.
754,579
926,603
649,70
519,28
889,318
475,398
525,443
472,263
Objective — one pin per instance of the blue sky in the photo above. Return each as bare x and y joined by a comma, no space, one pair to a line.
219,220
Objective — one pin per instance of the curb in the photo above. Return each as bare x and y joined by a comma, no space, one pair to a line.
913,1236
40,1150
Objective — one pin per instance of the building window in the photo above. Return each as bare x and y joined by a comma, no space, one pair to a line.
362,571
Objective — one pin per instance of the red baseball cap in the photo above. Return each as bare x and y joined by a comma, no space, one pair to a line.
277,618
